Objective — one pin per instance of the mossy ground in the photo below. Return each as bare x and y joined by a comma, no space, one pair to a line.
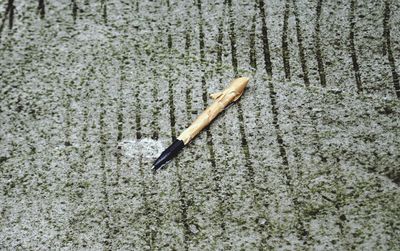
291,167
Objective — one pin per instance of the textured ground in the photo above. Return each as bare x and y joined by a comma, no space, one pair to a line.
308,159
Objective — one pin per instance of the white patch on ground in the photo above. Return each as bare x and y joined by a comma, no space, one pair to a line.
146,148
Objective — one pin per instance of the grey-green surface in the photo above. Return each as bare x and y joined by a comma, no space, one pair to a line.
289,167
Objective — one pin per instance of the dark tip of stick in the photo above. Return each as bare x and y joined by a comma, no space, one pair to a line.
168,154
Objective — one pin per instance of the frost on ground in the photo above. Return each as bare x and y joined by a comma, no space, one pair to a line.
93,92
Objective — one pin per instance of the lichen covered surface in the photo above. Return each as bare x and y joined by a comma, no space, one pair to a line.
93,91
